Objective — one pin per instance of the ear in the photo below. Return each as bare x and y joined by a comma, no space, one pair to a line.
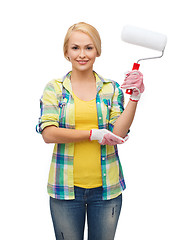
66,56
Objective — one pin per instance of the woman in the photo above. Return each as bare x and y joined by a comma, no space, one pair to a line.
83,114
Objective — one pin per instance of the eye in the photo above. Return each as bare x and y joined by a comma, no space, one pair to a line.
74,47
89,48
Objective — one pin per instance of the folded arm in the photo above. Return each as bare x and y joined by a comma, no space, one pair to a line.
133,82
54,134
123,123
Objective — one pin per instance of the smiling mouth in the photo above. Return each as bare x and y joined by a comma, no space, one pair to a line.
82,61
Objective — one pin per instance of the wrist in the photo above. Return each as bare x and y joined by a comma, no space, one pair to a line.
93,134
135,98
135,101
90,135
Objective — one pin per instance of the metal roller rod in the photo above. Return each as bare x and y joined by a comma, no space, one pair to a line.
151,57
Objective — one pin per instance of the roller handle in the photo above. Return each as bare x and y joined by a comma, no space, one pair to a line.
135,67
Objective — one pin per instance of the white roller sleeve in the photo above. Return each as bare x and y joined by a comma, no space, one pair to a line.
144,38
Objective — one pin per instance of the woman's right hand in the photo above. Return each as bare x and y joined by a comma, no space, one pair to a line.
134,82
105,137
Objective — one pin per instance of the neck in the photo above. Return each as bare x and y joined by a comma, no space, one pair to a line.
85,76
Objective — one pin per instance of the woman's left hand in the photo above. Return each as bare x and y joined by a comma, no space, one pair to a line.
134,82
106,137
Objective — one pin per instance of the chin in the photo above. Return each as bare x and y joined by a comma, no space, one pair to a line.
84,68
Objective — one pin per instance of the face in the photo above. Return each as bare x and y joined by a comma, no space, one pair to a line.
81,51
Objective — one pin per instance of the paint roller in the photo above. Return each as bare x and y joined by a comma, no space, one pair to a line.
144,38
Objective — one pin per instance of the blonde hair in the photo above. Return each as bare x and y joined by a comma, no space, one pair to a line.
85,28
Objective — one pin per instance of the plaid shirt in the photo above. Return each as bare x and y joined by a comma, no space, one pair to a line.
57,108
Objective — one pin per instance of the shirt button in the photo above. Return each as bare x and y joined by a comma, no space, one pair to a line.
98,103
103,158
100,118
104,174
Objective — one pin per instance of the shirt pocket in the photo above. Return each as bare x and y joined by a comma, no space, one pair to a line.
62,111
106,107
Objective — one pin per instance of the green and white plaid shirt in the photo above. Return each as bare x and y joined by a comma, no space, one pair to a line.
57,108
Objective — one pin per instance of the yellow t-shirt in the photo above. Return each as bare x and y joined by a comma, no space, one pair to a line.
87,154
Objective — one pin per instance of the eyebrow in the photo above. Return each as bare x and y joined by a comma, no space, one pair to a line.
74,44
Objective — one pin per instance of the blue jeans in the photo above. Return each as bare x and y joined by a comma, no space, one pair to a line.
69,215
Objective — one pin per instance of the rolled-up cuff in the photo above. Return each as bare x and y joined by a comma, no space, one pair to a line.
40,127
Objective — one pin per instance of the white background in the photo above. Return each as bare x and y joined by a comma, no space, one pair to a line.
158,158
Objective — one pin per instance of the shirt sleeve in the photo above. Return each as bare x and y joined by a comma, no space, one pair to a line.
49,108
117,106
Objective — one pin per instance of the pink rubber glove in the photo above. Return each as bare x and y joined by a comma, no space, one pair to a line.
134,81
105,137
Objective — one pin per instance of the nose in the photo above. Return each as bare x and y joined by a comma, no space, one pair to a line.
82,53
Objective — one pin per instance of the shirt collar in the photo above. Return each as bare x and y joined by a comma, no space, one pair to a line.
67,82
99,81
